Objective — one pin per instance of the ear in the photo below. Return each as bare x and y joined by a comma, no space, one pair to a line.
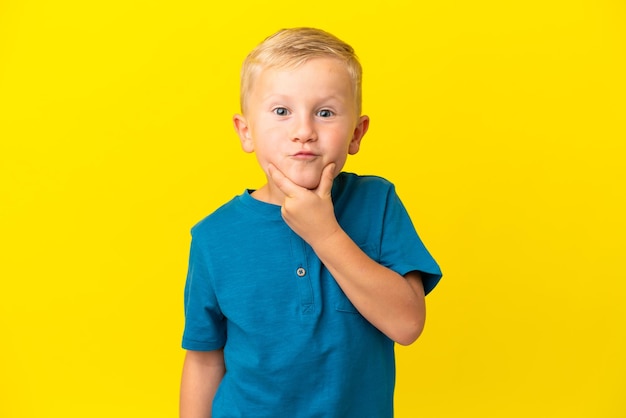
243,130
359,132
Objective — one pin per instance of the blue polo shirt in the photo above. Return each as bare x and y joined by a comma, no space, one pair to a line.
294,345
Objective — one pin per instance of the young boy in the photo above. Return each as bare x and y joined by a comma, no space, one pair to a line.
297,291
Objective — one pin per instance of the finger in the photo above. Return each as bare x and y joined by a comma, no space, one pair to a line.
288,187
326,181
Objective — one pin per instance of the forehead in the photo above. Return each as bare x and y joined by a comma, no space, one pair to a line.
322,75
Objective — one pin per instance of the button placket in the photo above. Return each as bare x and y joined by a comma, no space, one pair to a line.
302,276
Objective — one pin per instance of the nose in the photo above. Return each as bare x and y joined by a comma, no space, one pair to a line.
304,129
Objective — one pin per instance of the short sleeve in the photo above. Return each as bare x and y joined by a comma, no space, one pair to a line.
401,248
205,326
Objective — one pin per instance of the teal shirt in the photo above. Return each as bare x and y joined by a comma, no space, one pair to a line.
294,345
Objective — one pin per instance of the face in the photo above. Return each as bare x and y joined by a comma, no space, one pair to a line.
302,119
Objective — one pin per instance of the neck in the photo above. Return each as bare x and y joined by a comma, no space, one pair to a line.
269,193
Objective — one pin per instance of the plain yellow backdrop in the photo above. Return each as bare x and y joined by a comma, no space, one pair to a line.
503,125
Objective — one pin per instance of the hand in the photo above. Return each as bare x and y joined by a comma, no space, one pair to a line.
309,213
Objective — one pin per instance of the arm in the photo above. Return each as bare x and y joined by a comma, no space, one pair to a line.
392,303
202,374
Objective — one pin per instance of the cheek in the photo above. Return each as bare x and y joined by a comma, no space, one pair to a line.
270,135
263,136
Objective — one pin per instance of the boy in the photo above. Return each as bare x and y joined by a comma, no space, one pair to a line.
297,291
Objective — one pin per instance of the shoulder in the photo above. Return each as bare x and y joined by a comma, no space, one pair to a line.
218,219
363,188
243,214
361,183
354,180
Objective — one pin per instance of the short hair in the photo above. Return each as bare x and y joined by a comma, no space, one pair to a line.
289,48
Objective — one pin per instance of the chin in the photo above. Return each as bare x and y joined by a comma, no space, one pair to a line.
308,182
311,185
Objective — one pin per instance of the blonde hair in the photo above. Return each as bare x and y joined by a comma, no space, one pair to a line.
293,47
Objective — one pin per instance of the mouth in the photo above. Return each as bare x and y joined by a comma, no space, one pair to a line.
304,155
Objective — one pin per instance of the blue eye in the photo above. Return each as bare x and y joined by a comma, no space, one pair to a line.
325,113
281,111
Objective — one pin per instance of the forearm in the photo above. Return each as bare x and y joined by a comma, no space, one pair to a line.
202,374
392,303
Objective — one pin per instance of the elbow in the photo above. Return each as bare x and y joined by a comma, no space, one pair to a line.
409,334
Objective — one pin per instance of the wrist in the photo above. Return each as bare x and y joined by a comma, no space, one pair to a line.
329,239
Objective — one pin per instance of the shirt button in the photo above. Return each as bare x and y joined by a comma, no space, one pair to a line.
301,272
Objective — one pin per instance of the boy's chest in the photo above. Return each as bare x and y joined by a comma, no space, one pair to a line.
270,275
274,278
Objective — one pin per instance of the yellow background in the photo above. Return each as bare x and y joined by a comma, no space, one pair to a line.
501,123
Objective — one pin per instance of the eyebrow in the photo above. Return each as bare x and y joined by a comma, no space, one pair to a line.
284,97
